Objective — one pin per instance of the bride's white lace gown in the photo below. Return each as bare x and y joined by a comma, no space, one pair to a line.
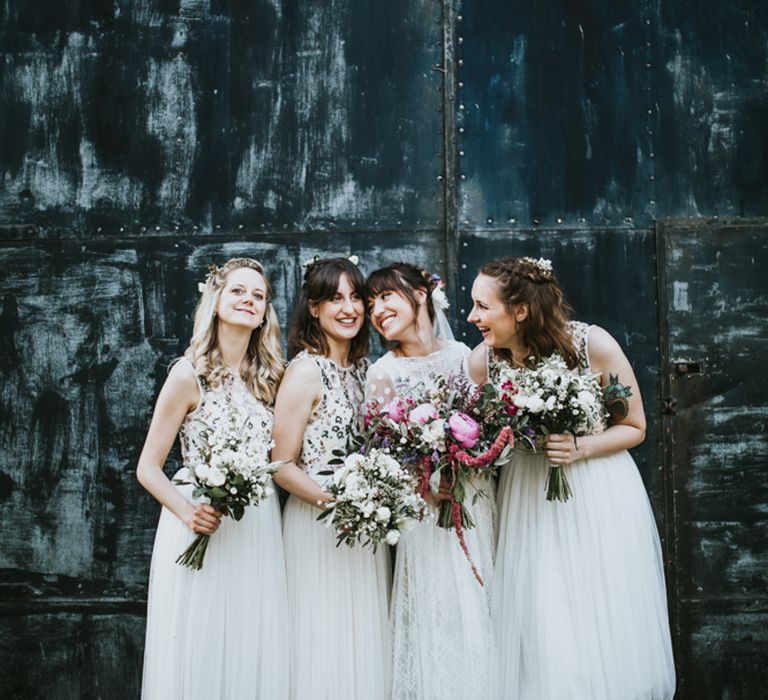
219,632
441,629
339,596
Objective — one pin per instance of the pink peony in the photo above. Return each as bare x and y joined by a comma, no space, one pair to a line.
422,413
396,410
464,429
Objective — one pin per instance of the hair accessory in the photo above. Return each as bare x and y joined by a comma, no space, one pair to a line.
543,265
439,300
353,259
310,261
213,270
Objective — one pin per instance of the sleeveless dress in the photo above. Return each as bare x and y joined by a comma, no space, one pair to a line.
441,629
579,603
339,596
219,632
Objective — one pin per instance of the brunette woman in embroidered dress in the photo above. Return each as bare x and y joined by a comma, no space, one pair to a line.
339,596
218,632
442,641
579,604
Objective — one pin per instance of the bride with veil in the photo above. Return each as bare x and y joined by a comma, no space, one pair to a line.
442,639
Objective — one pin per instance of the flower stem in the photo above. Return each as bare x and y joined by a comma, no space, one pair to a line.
192,557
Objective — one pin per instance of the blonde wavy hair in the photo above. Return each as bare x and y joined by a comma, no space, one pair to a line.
265,364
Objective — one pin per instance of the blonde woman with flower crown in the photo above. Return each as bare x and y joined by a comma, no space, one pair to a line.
218,632
442,642
338,596
579,603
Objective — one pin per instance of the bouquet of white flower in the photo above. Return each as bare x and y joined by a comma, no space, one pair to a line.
552,399
374,499
230,470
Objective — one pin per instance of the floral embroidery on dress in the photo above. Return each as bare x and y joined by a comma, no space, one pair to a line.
216,405
337,415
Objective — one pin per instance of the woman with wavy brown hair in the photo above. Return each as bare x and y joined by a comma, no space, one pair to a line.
338,596
218,632
579,605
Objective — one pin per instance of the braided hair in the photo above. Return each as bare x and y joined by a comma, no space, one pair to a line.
545,329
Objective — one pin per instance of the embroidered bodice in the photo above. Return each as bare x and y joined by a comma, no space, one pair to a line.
338,413
216,405
392,376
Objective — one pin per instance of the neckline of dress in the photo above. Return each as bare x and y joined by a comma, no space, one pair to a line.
422,357
352,365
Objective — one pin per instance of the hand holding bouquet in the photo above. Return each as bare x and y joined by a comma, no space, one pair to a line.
374,499
231,470
552,399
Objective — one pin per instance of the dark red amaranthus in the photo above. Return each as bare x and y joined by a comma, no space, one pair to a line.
459,456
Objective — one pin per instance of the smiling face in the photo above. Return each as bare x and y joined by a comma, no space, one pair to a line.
243,299
392,314
341,317
499,326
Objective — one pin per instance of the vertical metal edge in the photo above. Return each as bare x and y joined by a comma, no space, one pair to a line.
450,151
665,449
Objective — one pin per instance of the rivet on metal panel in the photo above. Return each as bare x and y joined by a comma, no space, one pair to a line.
194,228
461,108
122,228
463,311
466,223
536,221
461,129
157,228
651,155
461,153
459,18
463,288
176,228
513,220
461,62
143,229
439,178
461,39
489,220
98,229
559,220
240,227
461,85
463,266
464,244
651,177
463,176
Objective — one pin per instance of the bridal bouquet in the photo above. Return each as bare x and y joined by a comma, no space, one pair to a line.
374,499
231,470
444,439
551,399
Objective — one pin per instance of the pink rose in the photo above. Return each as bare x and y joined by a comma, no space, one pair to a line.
422,413
464,429
396,410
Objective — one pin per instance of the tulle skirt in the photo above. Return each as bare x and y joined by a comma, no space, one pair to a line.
339,599
441,627
579,603
220,632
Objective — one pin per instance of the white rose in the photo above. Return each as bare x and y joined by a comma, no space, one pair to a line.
354,461
520,400
434,434
383,514
201,471
535,404
216,477
340,474
550,403
392,537
586,398
367,509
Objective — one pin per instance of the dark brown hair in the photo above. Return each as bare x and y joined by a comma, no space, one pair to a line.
545,329
321,282
405,279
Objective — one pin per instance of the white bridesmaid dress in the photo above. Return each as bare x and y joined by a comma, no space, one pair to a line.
220,632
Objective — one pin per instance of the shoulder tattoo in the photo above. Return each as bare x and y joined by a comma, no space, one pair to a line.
616,396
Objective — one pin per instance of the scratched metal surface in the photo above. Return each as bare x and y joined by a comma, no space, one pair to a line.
88,329
594,113
142,140
715,311
277,116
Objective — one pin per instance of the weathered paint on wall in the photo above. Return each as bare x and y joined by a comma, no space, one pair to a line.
141,141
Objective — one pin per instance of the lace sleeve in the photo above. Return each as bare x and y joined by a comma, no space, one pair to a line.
379,385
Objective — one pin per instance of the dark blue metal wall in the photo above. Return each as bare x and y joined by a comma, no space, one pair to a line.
141,141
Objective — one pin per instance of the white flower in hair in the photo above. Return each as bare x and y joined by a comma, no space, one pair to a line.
353,259
439,299
201,287
543,265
